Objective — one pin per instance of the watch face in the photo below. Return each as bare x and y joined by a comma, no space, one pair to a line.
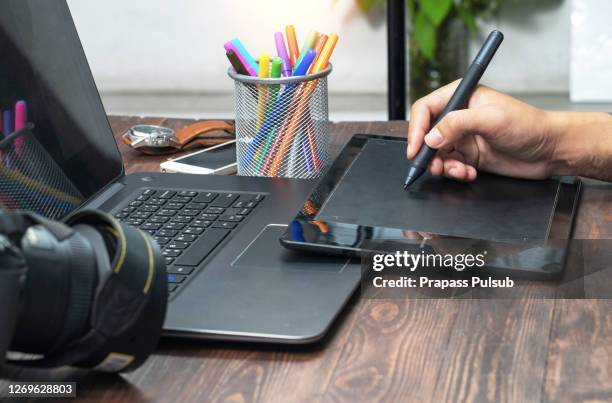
151,136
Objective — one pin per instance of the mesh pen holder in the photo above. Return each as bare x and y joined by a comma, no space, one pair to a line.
31,180
282,125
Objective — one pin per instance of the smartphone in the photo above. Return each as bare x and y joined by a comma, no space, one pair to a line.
217,160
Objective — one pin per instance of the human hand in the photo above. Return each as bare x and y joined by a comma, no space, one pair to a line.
496,133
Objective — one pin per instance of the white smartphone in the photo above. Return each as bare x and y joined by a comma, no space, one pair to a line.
217,160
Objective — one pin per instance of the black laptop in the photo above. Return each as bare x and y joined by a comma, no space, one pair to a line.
229,277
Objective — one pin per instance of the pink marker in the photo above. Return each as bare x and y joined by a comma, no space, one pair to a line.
230,46
21,118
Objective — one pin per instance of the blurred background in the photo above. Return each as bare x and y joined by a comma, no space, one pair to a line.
166,58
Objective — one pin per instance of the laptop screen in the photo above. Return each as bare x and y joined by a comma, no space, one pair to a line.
46,85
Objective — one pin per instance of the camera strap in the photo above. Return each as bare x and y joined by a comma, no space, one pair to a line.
120,298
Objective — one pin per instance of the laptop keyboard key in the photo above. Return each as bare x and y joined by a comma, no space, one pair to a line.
180,270
214,210
197,206
186,238
178,245
181,199
188,193
205,197
176,278
201,223
193,231
172,287
224,224
182,219
225,200
202,247
167,212
171,252
166,194
162,240
230,218
174,225
167,232
151,226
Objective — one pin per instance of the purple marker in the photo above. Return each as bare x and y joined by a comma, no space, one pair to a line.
282,53
230,46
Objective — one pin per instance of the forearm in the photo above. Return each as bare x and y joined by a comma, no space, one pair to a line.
583,144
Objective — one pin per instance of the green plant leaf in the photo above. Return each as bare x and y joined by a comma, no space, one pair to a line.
366,5
468,19
436,10
425,35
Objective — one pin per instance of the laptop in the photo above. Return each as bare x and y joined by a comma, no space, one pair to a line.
229,277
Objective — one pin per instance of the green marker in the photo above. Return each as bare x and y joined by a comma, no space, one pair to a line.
275,72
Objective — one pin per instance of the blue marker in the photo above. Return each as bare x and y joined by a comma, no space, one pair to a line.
7,122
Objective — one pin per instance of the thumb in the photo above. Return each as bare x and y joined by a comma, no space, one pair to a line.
458,123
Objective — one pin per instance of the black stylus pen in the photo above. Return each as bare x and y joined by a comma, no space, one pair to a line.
418,165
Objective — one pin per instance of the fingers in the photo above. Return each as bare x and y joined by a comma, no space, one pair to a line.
452,166
460,171
456,124
422,113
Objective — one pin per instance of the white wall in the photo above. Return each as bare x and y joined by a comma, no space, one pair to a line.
170,46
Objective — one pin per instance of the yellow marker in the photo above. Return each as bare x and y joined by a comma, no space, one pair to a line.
262,91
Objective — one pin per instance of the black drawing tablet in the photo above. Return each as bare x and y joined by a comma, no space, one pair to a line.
361,201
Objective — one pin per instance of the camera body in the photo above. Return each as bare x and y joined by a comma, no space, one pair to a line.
90,292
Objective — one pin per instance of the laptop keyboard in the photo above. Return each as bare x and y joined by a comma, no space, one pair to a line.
187,225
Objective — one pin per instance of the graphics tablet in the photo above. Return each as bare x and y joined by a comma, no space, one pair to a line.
360,206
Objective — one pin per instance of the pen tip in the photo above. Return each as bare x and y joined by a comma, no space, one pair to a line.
409,181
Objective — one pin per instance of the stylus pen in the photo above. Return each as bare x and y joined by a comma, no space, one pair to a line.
419,164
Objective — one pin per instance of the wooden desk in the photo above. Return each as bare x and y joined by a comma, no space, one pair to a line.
391,350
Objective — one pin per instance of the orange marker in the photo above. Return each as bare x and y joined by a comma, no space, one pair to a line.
294,52
318,47
323,58
302,96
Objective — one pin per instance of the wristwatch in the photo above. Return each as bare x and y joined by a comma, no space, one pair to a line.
151,136
152,139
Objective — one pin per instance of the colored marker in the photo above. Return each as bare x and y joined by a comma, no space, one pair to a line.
275,70
274,163
236,63
21,118
262,90
319,47
292,44
321,62
282,53
7,122
312,38
231,46
245,54
304,65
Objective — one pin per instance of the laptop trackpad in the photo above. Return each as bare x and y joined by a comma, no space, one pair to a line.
266,252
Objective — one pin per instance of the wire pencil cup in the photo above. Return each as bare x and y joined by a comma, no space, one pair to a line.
31,180
282,125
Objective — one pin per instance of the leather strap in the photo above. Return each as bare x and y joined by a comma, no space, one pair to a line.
206,133
188,133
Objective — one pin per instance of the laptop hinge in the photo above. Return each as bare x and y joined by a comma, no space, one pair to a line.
103,197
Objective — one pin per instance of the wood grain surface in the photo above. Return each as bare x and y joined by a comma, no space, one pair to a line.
419,350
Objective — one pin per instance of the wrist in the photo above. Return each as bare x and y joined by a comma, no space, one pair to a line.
582,143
